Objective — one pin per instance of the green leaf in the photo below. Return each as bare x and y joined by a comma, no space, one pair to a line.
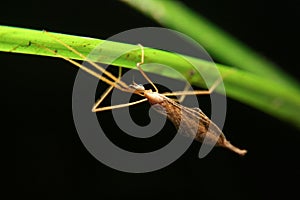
279,100
218,43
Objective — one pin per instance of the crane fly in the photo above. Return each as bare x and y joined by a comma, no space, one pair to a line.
185,117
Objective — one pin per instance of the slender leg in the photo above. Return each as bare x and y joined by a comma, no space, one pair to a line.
195,92
89,71
186,88
95,107
138,65
116,83
121,83
119,106
182,97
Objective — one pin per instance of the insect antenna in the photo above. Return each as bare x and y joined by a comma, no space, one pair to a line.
98,67
114,83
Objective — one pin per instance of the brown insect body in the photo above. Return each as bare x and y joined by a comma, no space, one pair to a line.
191,122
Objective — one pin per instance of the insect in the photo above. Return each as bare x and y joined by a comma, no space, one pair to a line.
188,119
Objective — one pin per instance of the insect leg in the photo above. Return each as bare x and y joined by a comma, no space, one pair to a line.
119,106
138,65
186,87
106,92
96,66
182,97
195,92
95,107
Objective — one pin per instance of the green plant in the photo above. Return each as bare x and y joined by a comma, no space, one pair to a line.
280,100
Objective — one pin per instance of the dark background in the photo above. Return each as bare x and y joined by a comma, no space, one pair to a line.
51,162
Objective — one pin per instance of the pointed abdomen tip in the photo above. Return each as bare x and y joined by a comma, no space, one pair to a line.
242,152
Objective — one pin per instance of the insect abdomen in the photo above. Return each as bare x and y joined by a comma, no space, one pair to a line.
194,123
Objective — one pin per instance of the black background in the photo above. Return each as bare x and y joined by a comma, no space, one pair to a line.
51,162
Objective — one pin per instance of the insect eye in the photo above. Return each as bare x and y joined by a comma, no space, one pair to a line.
137,86
141,87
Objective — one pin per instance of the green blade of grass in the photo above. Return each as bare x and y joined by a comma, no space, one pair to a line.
218,43
276,99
